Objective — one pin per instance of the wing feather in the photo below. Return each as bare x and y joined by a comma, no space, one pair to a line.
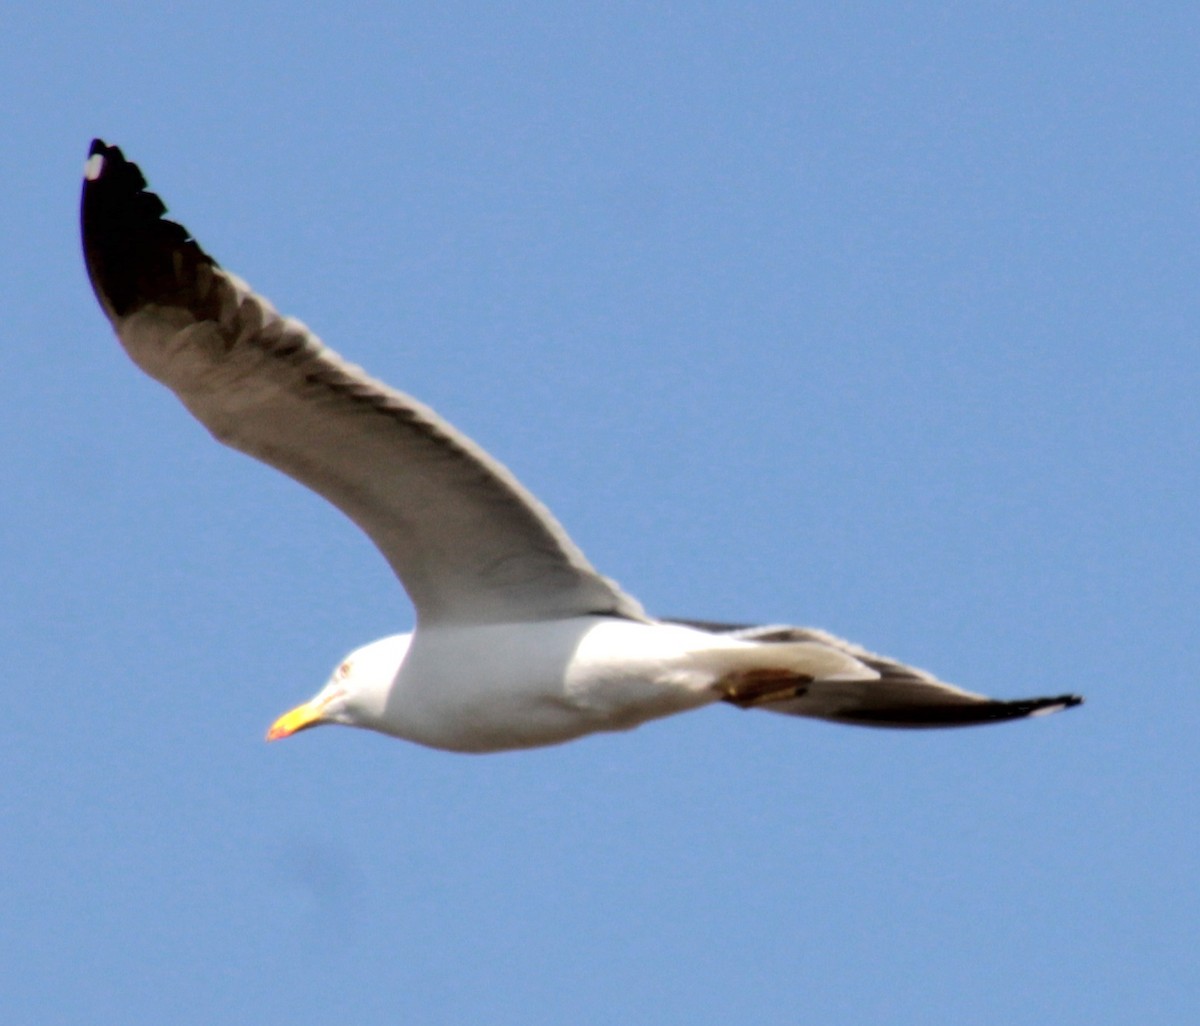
889,693
467,541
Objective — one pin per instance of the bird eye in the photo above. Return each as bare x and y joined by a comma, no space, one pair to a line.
343,671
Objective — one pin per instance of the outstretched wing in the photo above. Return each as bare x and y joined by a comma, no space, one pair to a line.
468,542
887,694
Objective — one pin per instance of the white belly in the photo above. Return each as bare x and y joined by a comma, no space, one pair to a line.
494,687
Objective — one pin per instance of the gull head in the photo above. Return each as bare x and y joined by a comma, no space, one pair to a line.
355,694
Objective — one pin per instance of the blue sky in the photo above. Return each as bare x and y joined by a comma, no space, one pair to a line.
880,319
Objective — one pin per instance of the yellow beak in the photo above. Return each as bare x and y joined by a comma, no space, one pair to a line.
307,715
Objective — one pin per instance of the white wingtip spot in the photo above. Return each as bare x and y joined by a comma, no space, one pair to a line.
1046,710
94,167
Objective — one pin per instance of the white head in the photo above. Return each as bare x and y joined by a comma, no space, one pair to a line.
356,693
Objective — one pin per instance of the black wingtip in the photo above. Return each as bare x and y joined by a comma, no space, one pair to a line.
100,148
960,715
1052,705
107,175
133,254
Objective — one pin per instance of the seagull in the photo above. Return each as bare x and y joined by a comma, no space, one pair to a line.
519,642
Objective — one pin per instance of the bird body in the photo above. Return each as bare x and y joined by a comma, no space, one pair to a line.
499,686
491,687
519,641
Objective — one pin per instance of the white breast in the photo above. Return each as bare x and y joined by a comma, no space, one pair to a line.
500,686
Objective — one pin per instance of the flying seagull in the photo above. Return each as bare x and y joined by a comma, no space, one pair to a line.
519,642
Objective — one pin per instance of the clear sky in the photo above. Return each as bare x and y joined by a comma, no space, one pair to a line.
879,318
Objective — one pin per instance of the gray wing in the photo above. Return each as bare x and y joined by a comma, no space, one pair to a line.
467,541
890,693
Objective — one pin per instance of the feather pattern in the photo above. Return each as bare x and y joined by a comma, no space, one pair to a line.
468,542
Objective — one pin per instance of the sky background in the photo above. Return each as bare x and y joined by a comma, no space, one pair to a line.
879,318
